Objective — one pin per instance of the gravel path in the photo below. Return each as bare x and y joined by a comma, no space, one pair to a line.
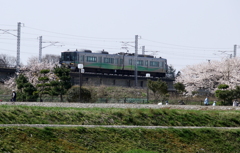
118,105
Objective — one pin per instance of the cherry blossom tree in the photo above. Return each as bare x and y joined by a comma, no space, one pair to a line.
7,60
32,72
208,75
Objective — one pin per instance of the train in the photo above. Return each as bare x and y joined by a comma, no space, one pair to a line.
119,63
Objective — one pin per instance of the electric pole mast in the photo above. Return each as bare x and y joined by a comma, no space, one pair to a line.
40,50
40,47
143,50
18,46
136,55
18,42
235,51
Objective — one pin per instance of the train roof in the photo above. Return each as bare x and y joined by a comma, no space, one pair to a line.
79,50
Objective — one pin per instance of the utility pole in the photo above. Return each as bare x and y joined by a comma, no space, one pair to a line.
40,50
235,51
18,42
143,50
40,47
135,56
18,46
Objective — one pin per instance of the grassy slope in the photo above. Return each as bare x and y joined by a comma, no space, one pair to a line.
27,139
92,140
117,116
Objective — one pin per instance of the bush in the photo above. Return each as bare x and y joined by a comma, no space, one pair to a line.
73,94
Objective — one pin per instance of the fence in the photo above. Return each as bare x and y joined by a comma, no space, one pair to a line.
6,98
124,100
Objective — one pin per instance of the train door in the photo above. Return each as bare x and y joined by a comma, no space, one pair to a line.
118,63
74,58
146,65
122,62
82,59
100,61
79,58
115,62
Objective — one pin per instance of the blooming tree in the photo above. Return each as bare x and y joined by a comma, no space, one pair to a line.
209,75
7,60
32,72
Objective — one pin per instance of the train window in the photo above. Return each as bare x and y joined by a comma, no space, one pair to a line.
121,61
140,62
146,63
154,64
162,64
91,59
116,61
68,56
108,60
62,57
81,58
130,61
100,59
73,58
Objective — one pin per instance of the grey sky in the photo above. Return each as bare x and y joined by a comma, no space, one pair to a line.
185,32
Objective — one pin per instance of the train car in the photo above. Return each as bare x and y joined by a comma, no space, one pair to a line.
120,63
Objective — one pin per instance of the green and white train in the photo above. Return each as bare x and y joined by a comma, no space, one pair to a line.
120,63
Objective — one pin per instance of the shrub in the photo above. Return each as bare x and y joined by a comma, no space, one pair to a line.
73,94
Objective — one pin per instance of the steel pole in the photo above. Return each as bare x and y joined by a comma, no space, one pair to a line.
79,85
147,91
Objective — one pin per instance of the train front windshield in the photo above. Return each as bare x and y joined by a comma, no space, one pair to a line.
68,56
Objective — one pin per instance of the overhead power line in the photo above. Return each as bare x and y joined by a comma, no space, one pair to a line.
182,45
74,35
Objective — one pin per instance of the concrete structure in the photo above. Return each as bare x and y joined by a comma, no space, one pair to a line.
99,79
115,80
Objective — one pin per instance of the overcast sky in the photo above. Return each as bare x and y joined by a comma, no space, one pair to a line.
185,32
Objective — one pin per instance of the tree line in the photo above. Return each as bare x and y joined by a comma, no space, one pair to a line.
218,78
55,87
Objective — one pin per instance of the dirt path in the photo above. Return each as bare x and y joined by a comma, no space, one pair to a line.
121,105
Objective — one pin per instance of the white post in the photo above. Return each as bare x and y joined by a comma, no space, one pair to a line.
147,75
80,67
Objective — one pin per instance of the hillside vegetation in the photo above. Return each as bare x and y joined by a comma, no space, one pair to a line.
109,140
117,116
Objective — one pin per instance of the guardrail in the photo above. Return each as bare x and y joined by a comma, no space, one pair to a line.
5,98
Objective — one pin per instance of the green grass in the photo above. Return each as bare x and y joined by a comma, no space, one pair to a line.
117,116
113,140
110,140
